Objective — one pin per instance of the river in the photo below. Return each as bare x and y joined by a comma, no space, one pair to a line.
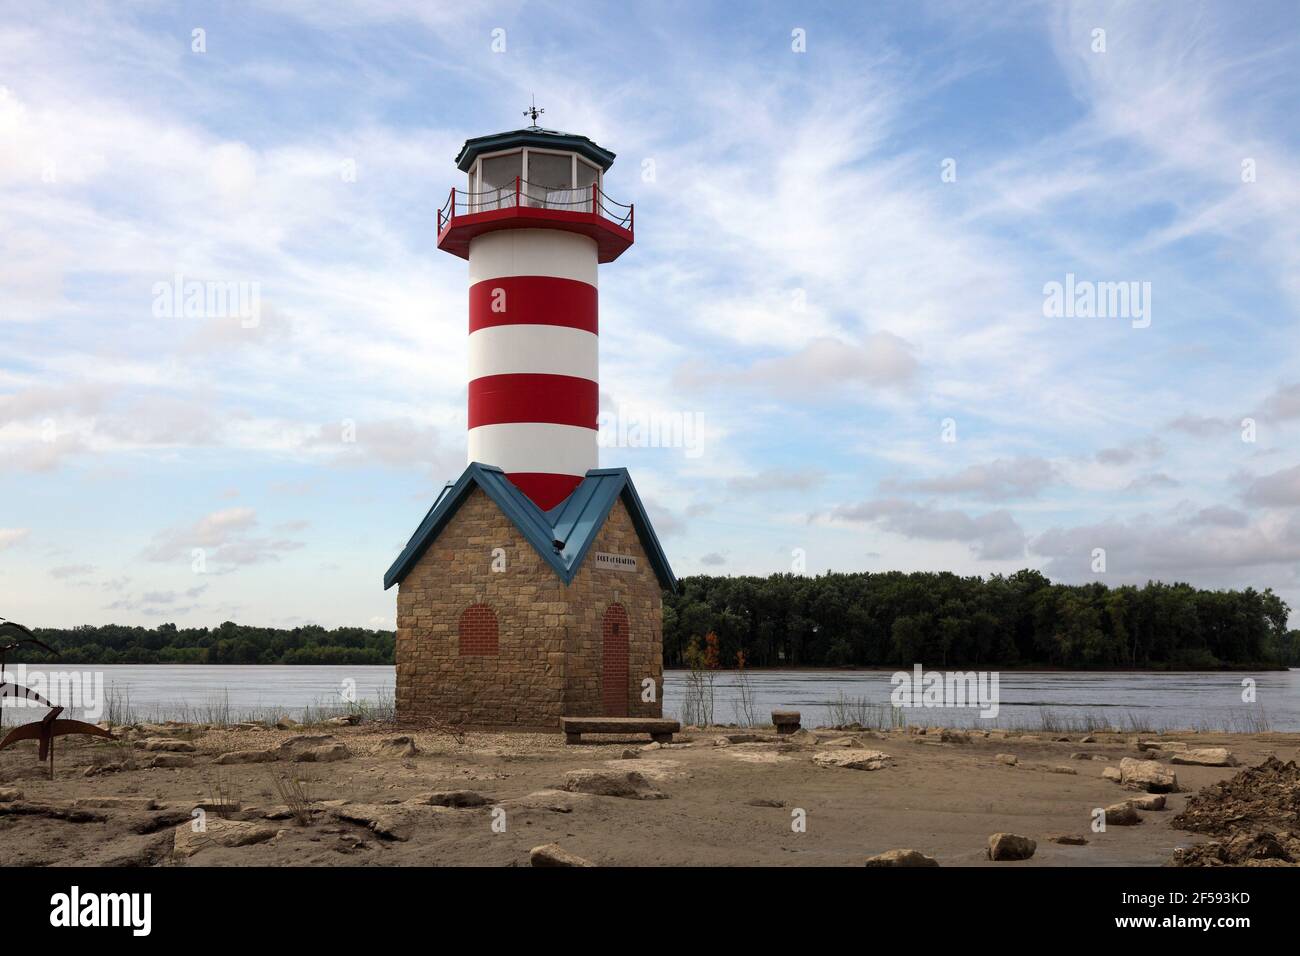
1066,700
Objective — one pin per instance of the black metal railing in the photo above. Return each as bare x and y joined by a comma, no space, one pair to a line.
521,193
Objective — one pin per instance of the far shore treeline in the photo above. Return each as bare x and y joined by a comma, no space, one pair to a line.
944,620
228,644
891,619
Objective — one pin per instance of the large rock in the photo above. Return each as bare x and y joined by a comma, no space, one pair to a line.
552,854
1206,757
160,730
116,766
620,783
171,761
612,783
852,759
556,801
1011,846
222,808
218,832
901,858
1009,759
1147,775
325,754
1069,839
451,798
401,746
1148,801
803,737
1122,815
116,803
1161,747
247,756
396,821
166,744
10,795
751,738
1110,773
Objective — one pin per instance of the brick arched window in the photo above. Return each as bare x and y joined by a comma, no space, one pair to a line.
477,631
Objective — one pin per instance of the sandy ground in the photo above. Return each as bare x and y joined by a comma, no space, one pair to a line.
941,798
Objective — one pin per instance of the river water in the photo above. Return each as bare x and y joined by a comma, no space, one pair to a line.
1136,700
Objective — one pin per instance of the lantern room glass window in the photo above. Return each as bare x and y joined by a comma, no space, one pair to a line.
547,179
585,176
497,176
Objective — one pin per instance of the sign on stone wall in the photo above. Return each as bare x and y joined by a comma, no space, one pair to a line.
614,562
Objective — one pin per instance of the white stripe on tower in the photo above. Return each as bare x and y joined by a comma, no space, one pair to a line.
534,349
532,252
532,448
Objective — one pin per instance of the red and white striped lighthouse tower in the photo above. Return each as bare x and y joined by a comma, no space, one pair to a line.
535,224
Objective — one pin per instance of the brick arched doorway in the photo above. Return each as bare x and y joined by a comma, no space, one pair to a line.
614,675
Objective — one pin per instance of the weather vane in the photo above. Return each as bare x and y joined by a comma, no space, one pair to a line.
534,111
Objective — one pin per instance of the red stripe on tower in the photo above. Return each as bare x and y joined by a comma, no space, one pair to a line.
533,300
546,491
557,399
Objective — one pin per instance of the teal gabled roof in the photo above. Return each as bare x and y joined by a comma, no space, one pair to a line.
562,536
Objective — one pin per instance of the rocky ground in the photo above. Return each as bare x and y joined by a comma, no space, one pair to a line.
171,795
1254,816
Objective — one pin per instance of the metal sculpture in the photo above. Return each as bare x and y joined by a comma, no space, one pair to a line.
47,728
10,689
27,637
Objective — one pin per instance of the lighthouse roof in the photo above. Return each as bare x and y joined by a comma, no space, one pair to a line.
562,536
533,136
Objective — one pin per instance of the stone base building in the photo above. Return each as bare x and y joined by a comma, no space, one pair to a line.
510,616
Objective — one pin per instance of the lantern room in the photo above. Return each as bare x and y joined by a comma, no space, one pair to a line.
534,178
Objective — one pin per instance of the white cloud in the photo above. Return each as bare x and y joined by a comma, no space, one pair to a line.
13,536
994,481
994,535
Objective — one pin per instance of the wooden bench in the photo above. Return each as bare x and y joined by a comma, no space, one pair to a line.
659,729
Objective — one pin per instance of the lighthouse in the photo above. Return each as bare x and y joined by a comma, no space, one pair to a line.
535,225
532,589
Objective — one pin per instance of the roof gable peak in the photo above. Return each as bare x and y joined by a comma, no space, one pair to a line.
561,537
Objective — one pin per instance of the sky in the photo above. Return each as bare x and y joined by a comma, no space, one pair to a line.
856,229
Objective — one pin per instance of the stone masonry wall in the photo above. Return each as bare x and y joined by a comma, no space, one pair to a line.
523,684
591,592
550,650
